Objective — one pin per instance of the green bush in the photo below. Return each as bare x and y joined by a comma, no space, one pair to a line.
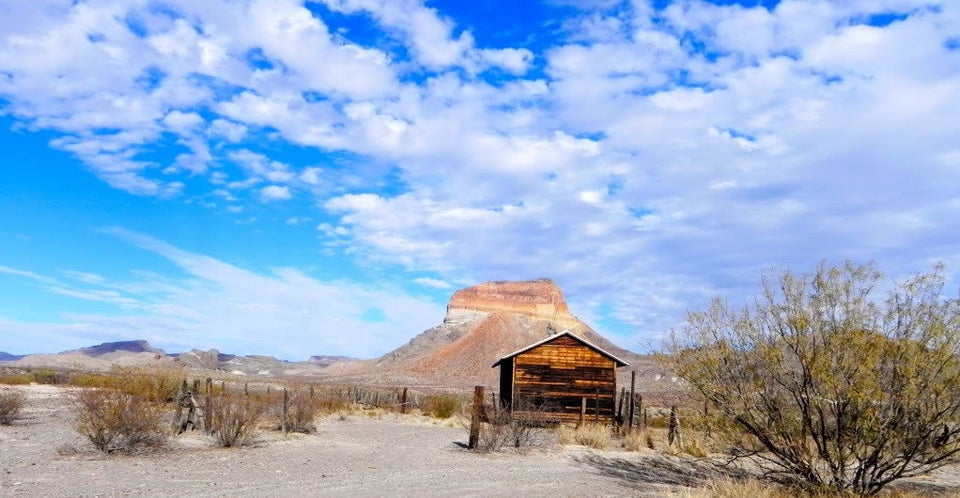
50,376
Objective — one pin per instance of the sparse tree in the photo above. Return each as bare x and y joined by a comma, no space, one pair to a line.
829,385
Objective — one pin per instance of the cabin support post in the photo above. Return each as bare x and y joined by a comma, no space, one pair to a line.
583,410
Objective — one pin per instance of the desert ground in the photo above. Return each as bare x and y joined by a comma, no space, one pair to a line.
353,455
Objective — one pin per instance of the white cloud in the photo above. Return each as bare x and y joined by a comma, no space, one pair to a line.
219,305
515,60
275,193
433,283
233,132
644,159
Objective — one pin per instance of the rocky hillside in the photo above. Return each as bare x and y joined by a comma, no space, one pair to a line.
105,348
484,323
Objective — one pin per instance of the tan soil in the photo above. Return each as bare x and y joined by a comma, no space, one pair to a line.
42,455
392,455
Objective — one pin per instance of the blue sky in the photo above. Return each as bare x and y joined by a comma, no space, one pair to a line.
298,178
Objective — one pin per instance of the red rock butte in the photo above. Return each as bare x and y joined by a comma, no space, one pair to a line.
539,298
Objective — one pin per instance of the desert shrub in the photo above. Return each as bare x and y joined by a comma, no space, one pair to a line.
494,437
302,410
525,426
234,419
115,421
830,384
50,376
16,379
442,405
11,406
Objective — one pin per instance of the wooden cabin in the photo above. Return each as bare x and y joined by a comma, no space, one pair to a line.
550,379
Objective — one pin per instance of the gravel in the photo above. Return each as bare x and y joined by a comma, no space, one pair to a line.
42,455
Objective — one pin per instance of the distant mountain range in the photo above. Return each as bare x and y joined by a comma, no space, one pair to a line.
112,347
483,323
10,357
140,352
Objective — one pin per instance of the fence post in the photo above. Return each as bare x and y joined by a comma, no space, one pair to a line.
623,397
674,435
643,411
403,402
208,408
179,400
475,417
286,409
633,390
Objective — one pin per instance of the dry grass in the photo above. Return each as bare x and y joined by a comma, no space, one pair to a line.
592,435
157,386
734,488
11,406
693,447
637,440
442,406
114,421
16,379
754,488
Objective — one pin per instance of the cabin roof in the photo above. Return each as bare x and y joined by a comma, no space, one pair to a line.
618,361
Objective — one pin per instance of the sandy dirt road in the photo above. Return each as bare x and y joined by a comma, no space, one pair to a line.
360,456
42,455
